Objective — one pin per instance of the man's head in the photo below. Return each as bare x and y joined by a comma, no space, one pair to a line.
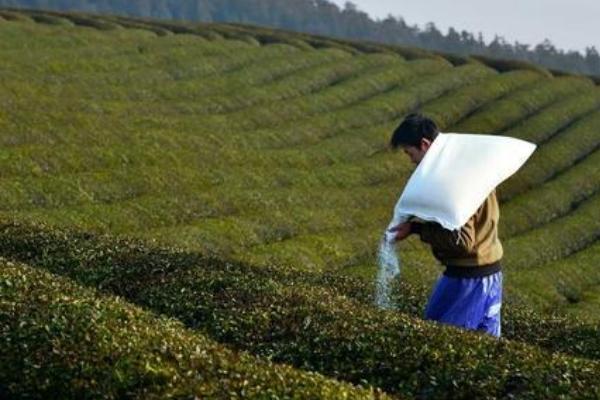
415,135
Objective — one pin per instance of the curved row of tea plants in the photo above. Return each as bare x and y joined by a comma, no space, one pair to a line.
543,126
268,183
559,154
560,284
556,239
340,95
561,195
512,109
309,326
63,341
377,109
300,83
450,110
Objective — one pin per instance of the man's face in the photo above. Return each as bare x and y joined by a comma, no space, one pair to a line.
415,153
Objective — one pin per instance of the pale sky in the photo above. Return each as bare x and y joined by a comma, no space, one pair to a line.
572,24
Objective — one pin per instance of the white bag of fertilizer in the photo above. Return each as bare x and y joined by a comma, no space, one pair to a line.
456,175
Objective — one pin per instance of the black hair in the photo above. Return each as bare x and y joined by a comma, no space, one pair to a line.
414,128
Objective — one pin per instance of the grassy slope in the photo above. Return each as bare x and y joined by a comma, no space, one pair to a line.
272,154
270,148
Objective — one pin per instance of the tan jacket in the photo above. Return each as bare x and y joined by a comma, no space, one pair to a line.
475,244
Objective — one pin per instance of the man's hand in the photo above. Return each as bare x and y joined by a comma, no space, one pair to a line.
402,231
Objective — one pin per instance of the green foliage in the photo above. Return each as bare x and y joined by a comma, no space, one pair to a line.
49,19
513,108
14,16
503,65
224,184
541,127
561,286
136,24
558,238
565,149
387,74
457,60
268,149
142,211
304,82
561,195
314,322
384,108
450,109
60,340
90,22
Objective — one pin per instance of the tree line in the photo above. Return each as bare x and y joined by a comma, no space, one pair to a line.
325,18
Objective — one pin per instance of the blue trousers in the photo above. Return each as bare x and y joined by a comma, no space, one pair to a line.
470,303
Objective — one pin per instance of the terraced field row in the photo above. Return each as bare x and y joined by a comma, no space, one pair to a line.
318,142
60,339
316,323
135,181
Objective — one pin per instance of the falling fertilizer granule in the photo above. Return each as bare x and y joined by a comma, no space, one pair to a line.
389,267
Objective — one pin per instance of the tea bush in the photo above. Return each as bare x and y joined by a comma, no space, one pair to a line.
449,110
548,122
515,107
556,239
557,155
561,194
60,340
312,326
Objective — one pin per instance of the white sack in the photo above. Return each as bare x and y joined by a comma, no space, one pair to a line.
457,174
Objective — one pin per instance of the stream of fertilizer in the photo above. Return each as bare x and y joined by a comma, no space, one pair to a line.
389,268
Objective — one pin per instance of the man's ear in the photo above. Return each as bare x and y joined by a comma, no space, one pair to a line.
425,144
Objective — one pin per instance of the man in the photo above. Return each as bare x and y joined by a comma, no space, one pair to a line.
469,294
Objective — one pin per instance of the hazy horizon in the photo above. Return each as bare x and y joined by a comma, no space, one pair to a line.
570,26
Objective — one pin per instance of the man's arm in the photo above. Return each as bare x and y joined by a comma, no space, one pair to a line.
460,241
441,238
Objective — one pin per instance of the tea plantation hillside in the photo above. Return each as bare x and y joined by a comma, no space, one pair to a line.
194,208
